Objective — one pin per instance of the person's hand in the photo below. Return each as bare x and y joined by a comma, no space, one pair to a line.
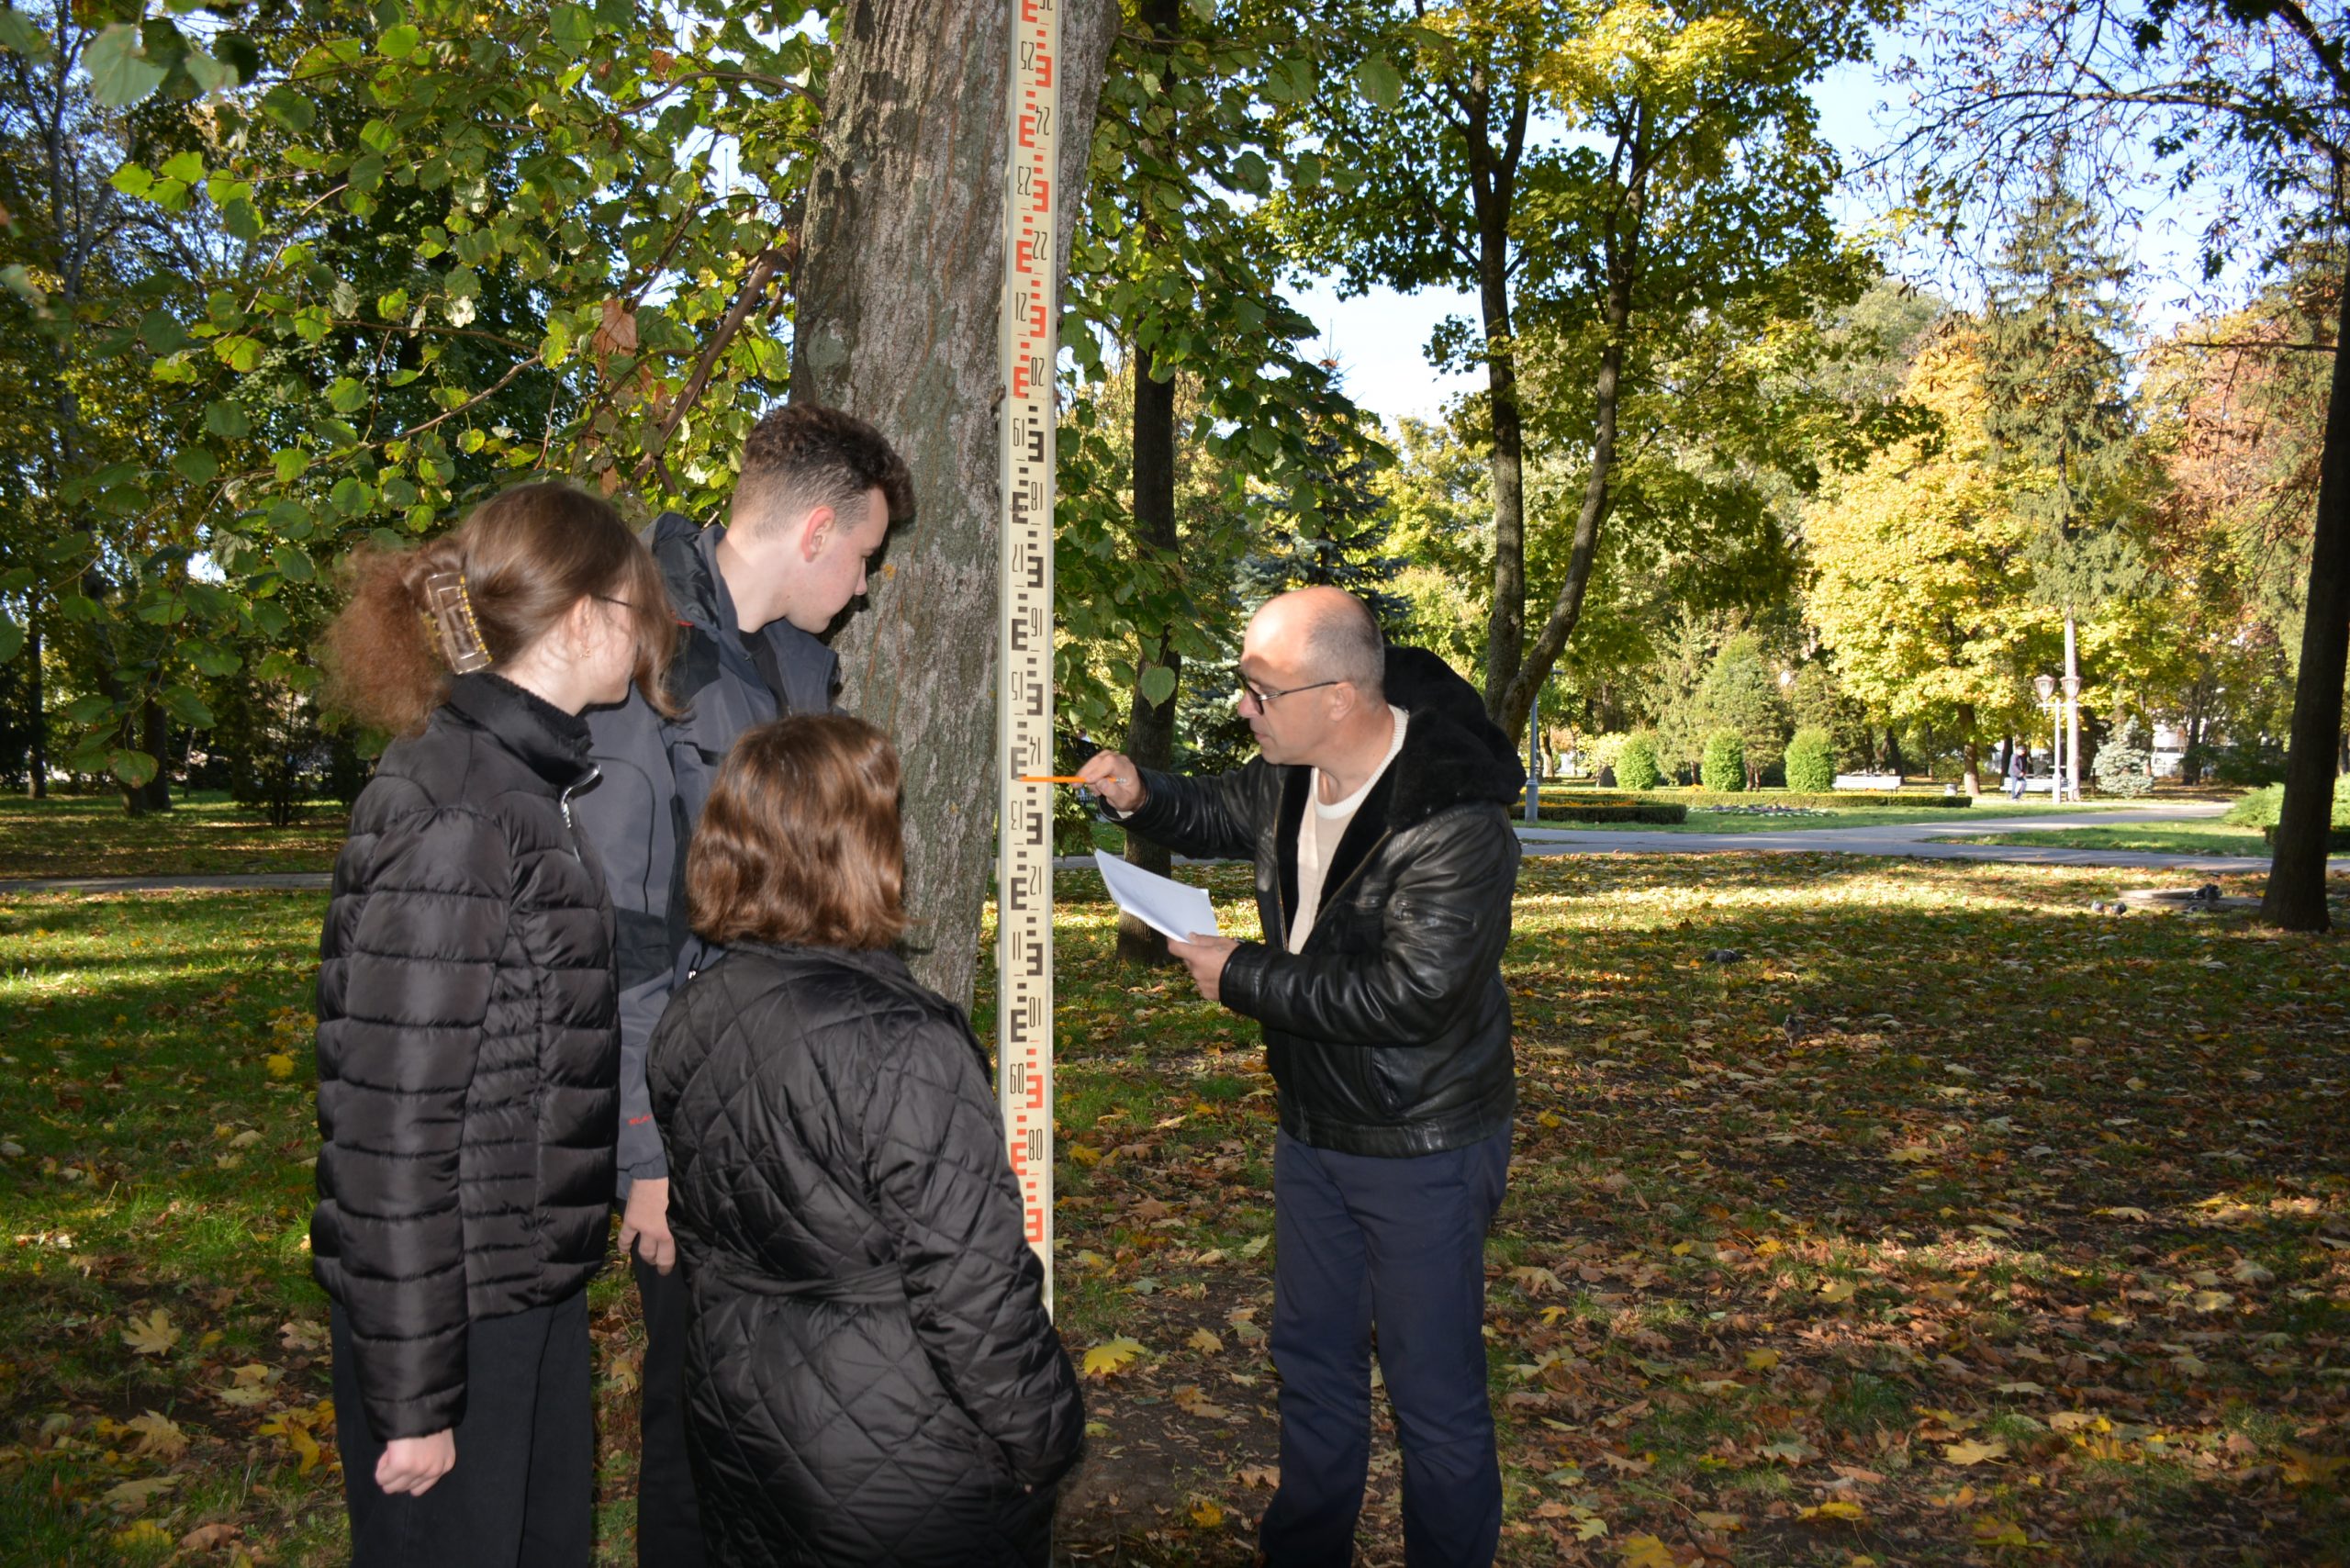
1205,958
645,1223
411,1465
1114,777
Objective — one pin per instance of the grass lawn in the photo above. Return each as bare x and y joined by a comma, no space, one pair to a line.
1951,1225
2153,839
201,835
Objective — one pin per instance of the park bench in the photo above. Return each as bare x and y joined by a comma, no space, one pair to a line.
1884,781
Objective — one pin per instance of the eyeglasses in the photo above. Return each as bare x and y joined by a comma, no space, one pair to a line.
1264,699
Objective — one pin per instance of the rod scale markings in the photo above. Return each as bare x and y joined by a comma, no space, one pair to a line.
1024,706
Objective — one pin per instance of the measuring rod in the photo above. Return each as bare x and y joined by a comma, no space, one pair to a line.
1024,689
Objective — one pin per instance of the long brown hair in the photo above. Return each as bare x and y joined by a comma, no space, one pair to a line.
527,554
800,841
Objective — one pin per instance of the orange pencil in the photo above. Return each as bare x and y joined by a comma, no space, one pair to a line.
1056,779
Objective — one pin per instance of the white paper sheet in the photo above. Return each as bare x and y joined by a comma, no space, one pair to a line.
1172,909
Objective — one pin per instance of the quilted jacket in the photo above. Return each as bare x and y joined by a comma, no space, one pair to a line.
1389,1033
656,774
870,1375
467,1049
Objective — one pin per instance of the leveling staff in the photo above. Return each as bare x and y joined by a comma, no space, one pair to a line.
1376,814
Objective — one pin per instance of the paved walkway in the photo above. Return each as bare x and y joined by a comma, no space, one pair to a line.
1918,841
1911,840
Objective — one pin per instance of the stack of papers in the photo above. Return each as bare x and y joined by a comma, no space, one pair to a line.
1174,910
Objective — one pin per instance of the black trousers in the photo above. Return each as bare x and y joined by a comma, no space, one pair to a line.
1399,1244
669,1528
523,1492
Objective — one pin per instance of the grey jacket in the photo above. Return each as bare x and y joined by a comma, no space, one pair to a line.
656,774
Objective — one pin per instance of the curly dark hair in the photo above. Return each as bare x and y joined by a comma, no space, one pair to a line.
805,456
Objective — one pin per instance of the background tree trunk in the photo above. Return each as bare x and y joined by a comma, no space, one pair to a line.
1150,726
895,321
2296,897
36,715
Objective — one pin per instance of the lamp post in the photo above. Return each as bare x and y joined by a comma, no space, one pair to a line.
2047,686
2073,736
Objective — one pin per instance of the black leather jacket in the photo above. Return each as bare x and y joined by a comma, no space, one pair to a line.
1390,1034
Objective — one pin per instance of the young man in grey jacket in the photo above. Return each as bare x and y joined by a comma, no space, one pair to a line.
818,492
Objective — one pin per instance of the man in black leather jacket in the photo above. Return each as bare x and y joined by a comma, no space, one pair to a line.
1376,816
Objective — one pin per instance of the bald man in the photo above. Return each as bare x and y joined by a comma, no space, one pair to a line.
1377,814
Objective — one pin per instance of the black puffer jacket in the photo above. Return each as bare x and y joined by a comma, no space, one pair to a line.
1389,1034
870,1373
468,1048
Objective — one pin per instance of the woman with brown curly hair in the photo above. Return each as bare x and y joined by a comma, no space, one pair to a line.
872,1377
467,1038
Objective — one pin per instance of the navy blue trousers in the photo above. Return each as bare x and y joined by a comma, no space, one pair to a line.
1398,1245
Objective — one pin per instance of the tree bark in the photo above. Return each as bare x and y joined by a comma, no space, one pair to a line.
2295,899
1492,178
1150,726
1971,779
896,320
36,715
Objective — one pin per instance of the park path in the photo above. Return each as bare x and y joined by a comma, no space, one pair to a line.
1923,841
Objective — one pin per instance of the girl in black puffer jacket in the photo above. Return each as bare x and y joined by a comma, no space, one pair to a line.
467,1041
872,1377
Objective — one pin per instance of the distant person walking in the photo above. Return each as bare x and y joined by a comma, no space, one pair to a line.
468,1032
2018,769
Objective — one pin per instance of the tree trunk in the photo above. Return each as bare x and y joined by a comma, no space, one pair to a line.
35,713
1505,632
2072,705
1150,726
2296,897
896,320
155,739
1971,779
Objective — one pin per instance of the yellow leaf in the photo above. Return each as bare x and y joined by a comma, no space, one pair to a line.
1725,1523
1104,1360
146,1533
1551,1119
1208,1514
159,1437
1837,1508
1203,1339
1762,1361
2000,1532
152,1335
1260,1476
1085,1154
1969,1451
1192,1402
1833,1291
2077,1422
132,1495
278,1064
1648,1552
2210,1301
1911,1154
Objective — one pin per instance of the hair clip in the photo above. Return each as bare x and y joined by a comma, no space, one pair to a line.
449,615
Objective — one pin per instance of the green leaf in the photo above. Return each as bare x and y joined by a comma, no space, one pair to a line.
399,42
293,565
197,465
132,180
133,768
1157,684
209,75
239,353
183,704
19,32
187,168
291,465
226,420
210,659
350,496
1378,81
572,30
161,332
347,395
120,72
289,107
12,638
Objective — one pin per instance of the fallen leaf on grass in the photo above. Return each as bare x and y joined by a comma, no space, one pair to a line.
2076,1421
1972,1453
1762,1361
1204,1340
1192,1402
159,1437
251,1384
1725,1523
1835,1508
132,1495
278,1064
1103,1360
1648,1552
206,1538
1834,1291
146,1533
152,1335
1999,1532
1208,1514
1251,1248
1259,1475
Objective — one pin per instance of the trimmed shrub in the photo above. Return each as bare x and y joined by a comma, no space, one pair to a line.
1661,813
2262,807
1812,762
1636,766
1725,764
